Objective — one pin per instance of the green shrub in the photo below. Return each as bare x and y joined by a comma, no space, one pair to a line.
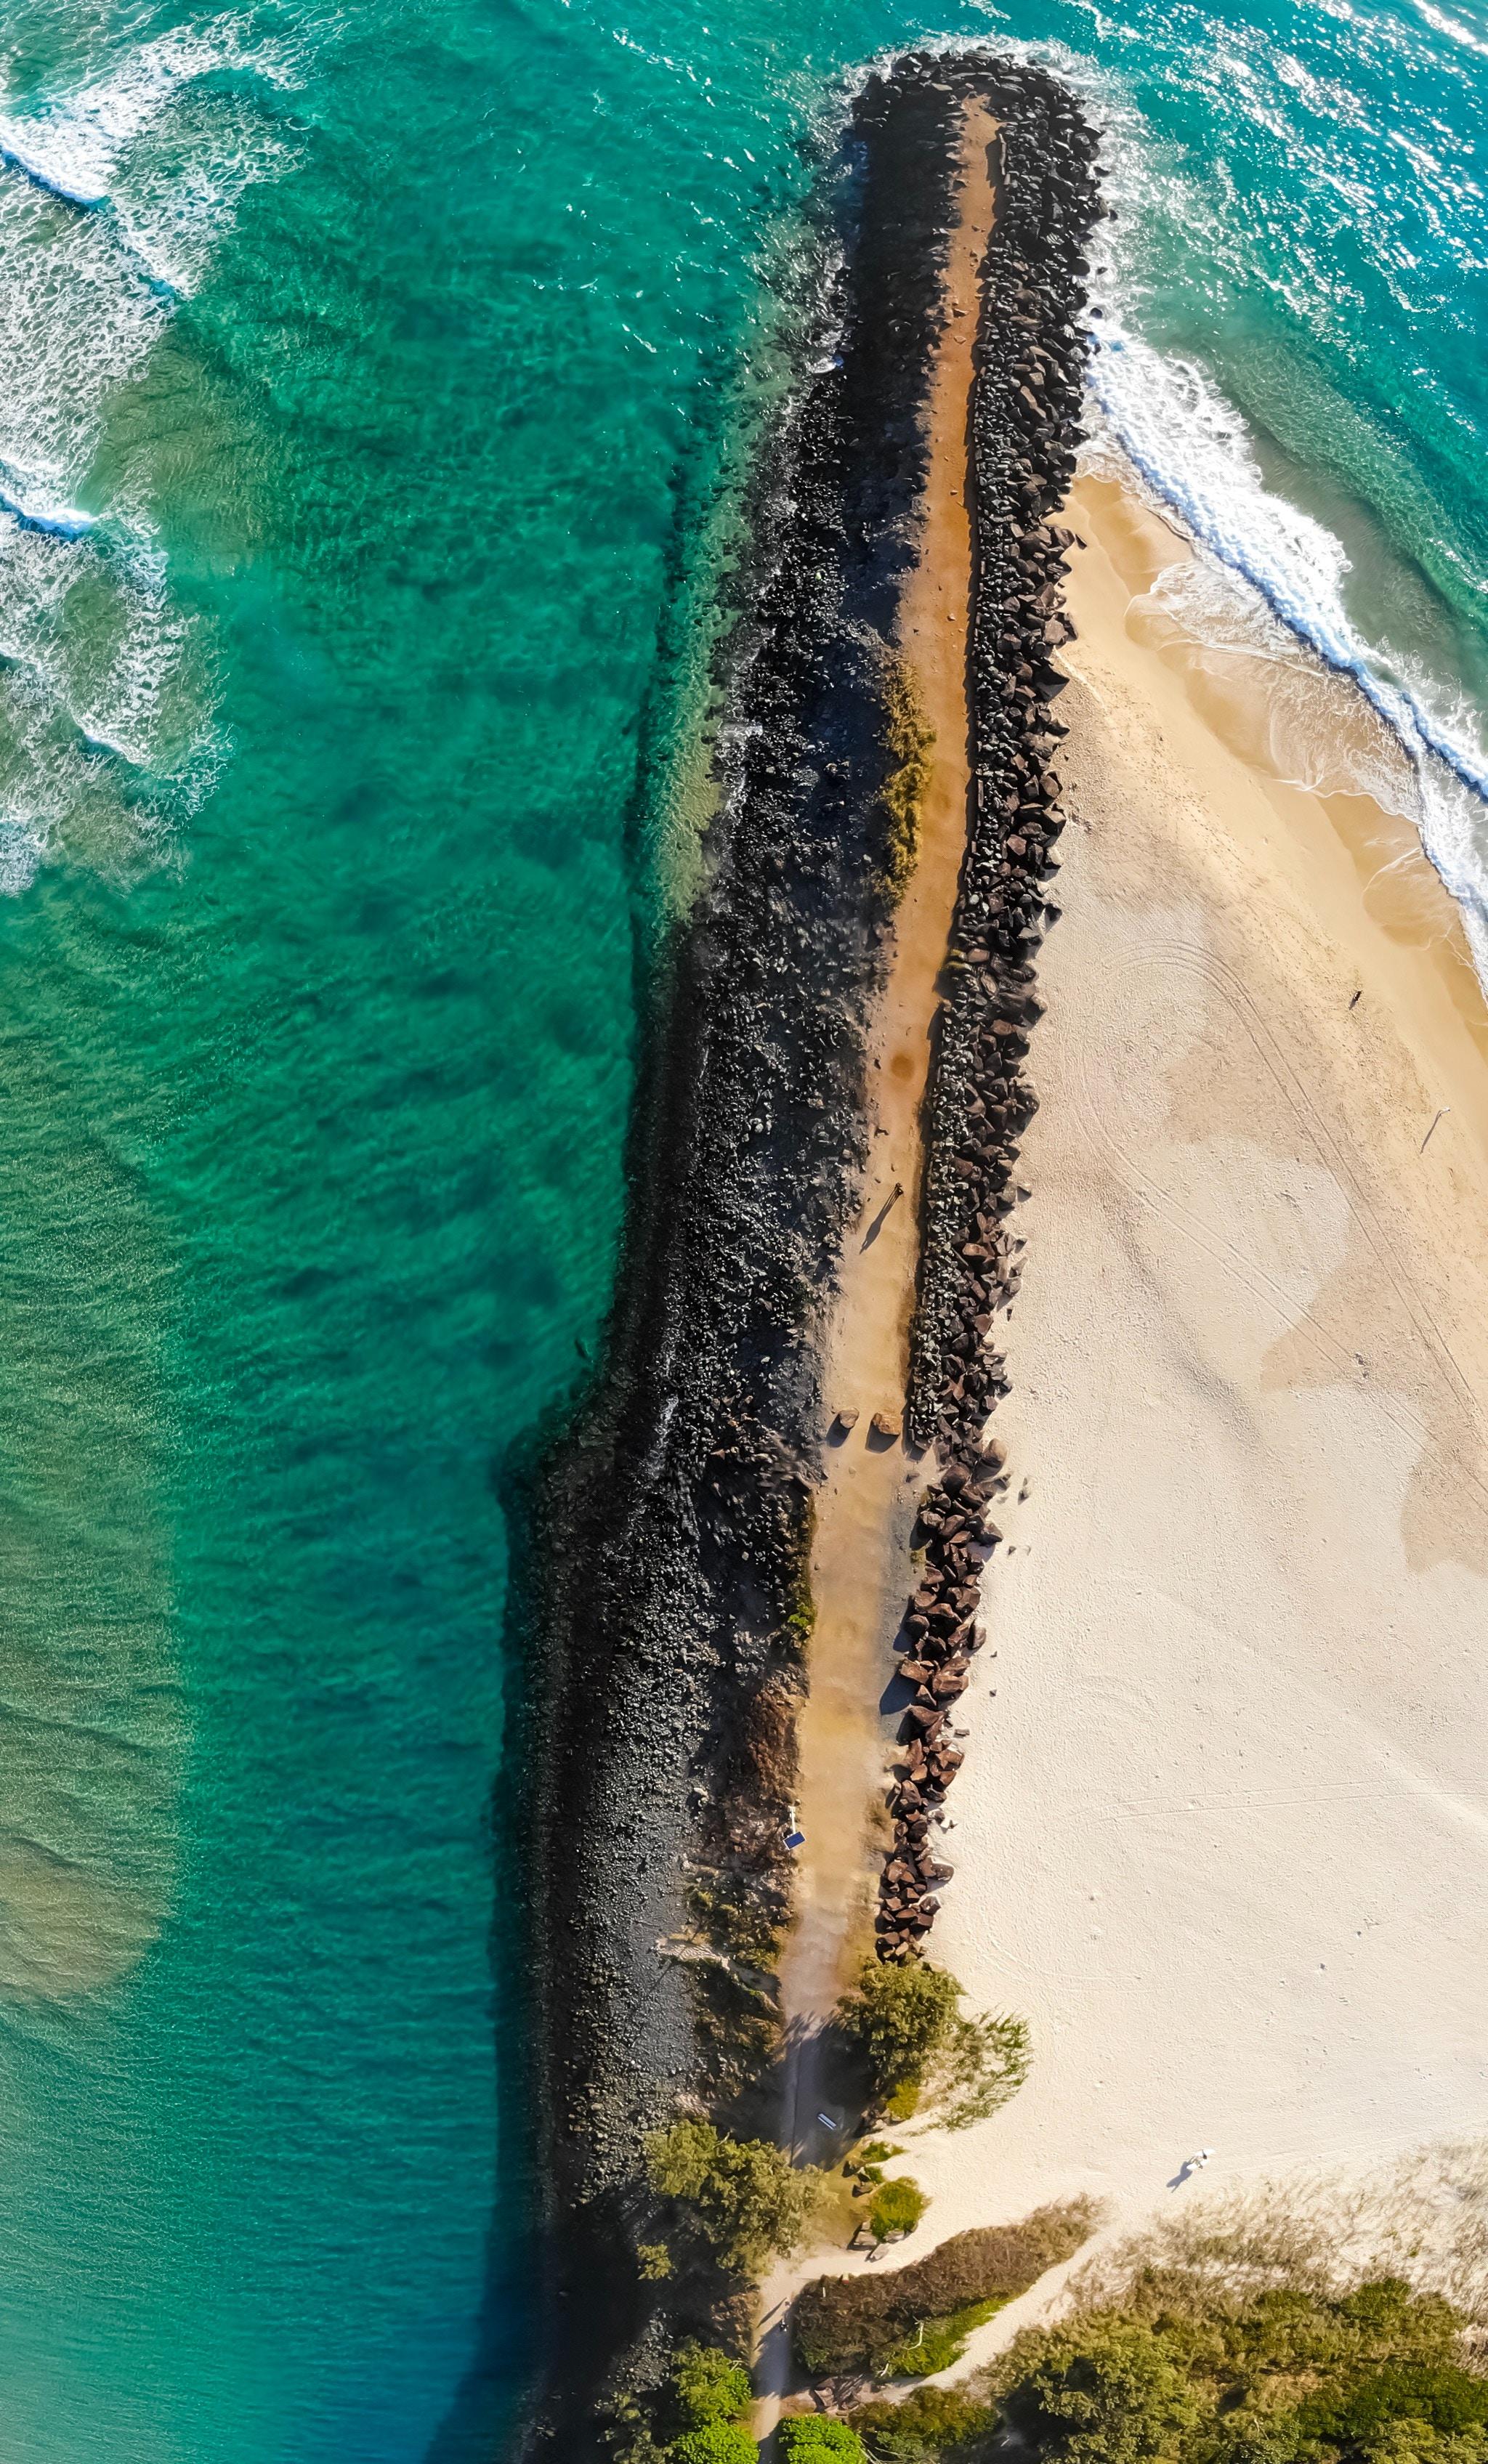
807,2436
932,2424
744,2198
917,2044
719,2443
853,2322
908,739
1190,2374
1441,2393
936,2343
1103,2395
897,2207
708,2385
900,2018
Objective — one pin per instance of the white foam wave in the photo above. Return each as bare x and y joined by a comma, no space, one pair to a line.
63,521
1191,453
1161,423
105,717
23,154
72,146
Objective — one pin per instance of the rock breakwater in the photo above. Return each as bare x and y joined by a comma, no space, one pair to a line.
1025,429
673,1524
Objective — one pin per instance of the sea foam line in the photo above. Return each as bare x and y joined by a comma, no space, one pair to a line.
12,151
1190,451
1291,560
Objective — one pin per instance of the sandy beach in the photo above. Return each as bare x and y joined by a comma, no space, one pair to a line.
1222,1835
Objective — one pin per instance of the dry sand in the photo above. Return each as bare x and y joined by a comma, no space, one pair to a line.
1222,1835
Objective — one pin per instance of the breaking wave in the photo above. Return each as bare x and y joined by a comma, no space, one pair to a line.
113,200
1160,421
1190,453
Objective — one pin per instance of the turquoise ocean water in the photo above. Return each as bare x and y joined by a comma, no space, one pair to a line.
372,383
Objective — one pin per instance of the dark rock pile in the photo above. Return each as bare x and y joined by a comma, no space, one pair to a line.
674,1523
939,1637
1024,428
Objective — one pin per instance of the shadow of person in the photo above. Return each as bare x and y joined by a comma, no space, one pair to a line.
1190,2165
883,1214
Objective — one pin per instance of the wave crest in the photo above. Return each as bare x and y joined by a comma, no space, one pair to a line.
106,729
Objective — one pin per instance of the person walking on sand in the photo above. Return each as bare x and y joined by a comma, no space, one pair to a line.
883,1214
1190,2165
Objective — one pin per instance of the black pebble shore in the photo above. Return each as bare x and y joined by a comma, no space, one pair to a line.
673,1521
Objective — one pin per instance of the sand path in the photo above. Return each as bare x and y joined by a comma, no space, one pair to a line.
865,1505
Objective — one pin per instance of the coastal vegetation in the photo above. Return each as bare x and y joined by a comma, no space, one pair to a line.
809,2437
721,2442
913,2321
696,2417
868,2162
708,2385
922,2050
1215,2346
933,2425
896,2208
740,2199
908,740
1380,2375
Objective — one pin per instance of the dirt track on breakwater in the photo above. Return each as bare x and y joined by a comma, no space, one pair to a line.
866,1499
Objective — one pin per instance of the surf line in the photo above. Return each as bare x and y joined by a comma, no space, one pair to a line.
65,523
1401,708
89,200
